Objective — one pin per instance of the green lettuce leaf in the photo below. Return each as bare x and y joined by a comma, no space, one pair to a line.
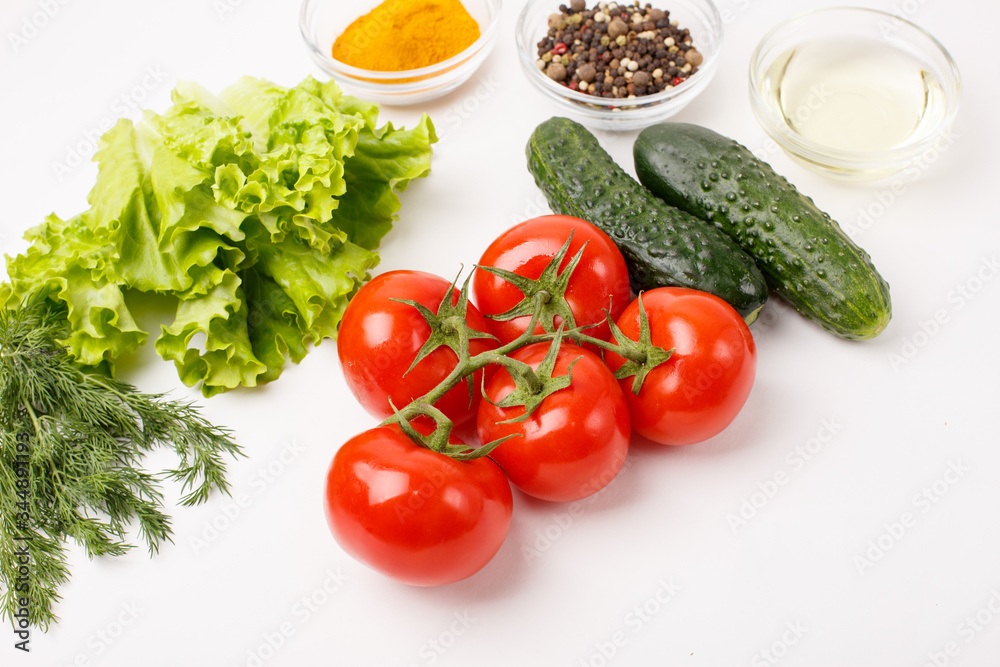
124,211
385,162
222,357
318,283
273,323
68,263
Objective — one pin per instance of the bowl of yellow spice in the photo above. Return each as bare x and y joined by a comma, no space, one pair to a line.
400,51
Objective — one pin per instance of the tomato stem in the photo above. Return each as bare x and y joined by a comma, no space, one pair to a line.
449,328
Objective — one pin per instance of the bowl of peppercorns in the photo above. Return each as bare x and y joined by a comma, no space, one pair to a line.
619,65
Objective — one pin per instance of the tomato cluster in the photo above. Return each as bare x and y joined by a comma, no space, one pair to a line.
548,364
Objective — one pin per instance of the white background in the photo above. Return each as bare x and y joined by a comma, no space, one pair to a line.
651,571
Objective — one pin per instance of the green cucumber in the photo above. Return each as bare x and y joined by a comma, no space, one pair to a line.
804,255
661,244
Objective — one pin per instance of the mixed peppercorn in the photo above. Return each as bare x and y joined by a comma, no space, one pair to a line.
616,50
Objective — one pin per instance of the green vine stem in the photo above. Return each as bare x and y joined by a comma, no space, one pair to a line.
544,297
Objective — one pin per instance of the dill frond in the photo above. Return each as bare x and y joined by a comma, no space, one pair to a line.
71,448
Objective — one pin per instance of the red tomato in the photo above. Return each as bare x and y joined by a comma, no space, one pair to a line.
379,338
577,439
698,392
413,514
599,282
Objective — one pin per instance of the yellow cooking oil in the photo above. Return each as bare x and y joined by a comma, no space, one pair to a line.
854,94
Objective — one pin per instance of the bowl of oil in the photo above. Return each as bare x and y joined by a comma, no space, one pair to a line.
856,94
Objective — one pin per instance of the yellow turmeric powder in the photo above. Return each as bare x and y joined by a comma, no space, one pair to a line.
407,34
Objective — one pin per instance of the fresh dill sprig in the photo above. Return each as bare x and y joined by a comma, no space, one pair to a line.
71,446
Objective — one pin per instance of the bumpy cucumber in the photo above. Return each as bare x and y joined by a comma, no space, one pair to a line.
661,244
804,255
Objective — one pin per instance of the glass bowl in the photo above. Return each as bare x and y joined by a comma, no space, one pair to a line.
855,94
701,17
322,21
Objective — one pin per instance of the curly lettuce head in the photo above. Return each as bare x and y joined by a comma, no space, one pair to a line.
260,210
